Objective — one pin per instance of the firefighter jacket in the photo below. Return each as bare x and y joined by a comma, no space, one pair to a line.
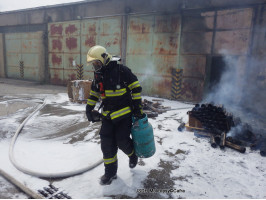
119,90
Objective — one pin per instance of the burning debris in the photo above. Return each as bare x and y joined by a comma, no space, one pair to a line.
224,129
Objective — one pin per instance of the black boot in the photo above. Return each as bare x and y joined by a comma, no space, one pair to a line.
133,160
110,173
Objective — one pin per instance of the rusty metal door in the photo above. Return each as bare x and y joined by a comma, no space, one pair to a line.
152,51
69,43
64,51
25,56
101,31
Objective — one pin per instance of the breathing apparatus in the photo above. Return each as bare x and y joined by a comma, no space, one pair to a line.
99,57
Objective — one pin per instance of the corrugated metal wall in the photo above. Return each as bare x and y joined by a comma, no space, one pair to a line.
64,48
25,56
196,42
208,34
233,40
153,45
152,51
69,43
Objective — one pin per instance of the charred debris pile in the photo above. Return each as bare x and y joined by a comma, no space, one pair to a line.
153,108
224,129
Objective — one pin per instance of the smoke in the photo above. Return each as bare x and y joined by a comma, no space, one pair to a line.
148,72
149,77
227,90
242,90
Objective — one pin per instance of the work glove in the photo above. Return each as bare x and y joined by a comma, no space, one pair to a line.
93,116
138,114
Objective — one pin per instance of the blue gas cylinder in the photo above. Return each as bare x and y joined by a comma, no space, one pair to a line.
143,139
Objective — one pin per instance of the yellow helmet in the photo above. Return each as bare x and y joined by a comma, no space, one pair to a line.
98,53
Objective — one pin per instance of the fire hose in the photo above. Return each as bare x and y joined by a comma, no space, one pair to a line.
39,174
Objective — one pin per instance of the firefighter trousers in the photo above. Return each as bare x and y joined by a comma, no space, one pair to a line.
114,136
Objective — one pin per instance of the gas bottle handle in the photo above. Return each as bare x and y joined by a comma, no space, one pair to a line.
143,120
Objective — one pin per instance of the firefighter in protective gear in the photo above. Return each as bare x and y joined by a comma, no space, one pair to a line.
120,92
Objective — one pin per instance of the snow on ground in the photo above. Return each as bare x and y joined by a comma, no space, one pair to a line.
59,138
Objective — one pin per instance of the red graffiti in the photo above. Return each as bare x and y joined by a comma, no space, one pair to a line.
57,44
71,29
56,29
71,43
56,60
90,41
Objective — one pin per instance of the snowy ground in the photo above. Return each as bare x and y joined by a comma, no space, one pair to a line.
59,138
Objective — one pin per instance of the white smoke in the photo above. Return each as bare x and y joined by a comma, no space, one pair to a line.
149,76
148,71
230,88
240,91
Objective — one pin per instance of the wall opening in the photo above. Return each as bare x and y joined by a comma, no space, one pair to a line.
218,66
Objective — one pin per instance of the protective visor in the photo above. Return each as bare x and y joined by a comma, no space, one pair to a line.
96,65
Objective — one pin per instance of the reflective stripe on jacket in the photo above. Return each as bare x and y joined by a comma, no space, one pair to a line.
118,113
122,92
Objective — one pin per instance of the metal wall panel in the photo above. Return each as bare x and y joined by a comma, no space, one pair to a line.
233,38
196,44
234,42
101,31
198,21
234,18
194,66
152,51
152,46
13,54
233,31
28,49
70,41
64,51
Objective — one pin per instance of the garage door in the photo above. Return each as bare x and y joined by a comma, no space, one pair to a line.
152,51
25,56
70,41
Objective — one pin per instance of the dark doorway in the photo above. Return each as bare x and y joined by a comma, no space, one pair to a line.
218,66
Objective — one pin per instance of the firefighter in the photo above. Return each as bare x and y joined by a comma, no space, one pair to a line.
120,92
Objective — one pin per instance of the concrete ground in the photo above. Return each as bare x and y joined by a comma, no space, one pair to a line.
13,91
22,94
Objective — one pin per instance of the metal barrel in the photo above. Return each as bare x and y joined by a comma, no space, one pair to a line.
181,127
212,141
222,140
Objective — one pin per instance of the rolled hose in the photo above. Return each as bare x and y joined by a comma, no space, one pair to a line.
39,174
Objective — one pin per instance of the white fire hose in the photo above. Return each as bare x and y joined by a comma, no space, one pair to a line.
39,174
